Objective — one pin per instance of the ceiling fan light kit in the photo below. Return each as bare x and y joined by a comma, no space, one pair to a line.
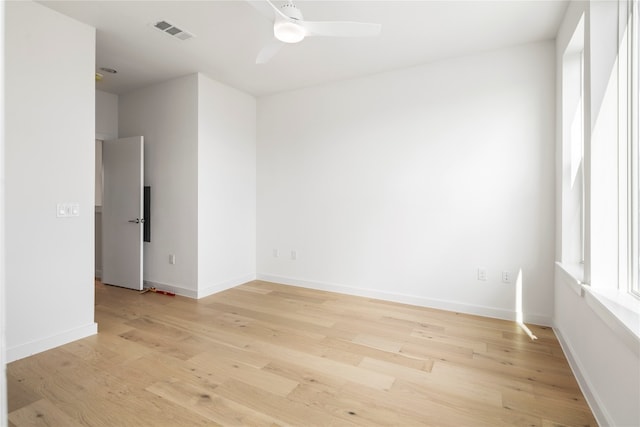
288,32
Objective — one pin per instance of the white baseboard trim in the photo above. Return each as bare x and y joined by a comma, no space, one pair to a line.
497,313
227,284
599,412
201,293
28,349
178,290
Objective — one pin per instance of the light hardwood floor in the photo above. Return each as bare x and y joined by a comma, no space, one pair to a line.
266,354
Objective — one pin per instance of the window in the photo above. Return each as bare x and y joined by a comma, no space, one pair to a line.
600,181
573,129
633,150
629,159
577,143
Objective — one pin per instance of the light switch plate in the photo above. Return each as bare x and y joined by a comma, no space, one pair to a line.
61,210
67,209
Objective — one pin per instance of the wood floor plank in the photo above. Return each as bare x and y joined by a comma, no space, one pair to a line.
379,343
225,369
20,395
270,354
177,348
362,351
94,396
290,411
425,405
547,408
358,375
395,370
42,413
475,345
271,306
221,411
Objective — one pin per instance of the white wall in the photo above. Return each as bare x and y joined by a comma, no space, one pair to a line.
607,369
401,185
3,358
106,129
49,261
226,187
604,356
106,115
166,115
199,140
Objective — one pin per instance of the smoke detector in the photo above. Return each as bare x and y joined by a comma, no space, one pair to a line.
170,29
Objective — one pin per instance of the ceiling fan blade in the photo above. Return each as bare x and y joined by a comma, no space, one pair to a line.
267,9
341,29
269,51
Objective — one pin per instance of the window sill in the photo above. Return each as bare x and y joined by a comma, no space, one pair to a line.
573,274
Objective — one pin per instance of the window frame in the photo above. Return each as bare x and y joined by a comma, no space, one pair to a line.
574,198
633,149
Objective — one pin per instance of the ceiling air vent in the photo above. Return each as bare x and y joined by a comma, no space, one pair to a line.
172,30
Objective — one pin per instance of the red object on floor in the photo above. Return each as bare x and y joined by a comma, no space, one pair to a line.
158,291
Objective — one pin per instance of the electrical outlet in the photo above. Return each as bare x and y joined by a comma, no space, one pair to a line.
294,255
172,259
482,274
275,253
506,277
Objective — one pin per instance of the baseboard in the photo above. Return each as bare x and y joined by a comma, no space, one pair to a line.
25,350
599,412
201,293
178,290
537,319
98,274
227,284
458,307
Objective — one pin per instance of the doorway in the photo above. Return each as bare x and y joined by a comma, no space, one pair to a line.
119,212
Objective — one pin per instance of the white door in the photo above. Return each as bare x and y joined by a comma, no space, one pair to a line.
122,210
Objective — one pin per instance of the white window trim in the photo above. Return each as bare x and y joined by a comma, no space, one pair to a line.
573,276
573,239
632,152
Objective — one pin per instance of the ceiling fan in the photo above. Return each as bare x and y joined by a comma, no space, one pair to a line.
290,27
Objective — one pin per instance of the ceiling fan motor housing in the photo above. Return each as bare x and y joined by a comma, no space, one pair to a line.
292,11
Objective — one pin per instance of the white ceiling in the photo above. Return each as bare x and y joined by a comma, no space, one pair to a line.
229,34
